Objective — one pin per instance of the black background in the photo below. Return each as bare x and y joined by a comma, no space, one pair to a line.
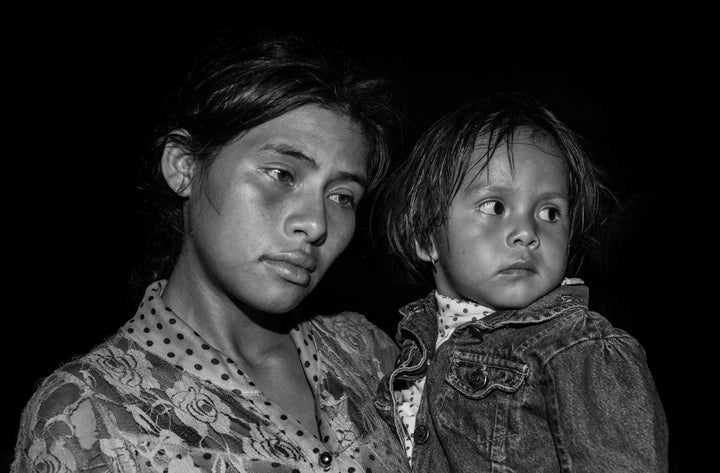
640,89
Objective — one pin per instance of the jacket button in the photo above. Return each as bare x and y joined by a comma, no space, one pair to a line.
325,459
478,378
421,434
476,332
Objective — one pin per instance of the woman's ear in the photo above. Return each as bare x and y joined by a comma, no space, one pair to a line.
178,167
430,255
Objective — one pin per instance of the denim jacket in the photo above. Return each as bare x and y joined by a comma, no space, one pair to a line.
552,387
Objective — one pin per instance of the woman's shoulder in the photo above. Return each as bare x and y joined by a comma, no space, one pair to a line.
352,334
106,374
352,324
348,319
65,403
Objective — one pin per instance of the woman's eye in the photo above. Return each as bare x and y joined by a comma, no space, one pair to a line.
550,214
492,207
344,200
281,175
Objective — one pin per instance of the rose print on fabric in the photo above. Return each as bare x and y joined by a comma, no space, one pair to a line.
118,454
125,367
84,424
273,447
125,408
56,459
351,332
199,408
144,422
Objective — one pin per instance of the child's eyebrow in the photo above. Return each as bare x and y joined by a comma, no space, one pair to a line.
494,189
554,195
476,187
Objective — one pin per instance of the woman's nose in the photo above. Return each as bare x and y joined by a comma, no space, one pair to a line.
308,220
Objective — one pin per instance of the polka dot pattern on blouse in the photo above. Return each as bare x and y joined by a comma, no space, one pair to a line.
157,328
451,314
167,400
160,331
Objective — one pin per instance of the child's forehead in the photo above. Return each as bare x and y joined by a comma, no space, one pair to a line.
487,143
486,148
499,158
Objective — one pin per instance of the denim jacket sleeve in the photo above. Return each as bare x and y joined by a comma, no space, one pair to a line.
603,407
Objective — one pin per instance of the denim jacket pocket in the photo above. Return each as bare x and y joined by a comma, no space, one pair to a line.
475,375
478,410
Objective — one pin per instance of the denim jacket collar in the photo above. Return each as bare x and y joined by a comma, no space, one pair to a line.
419,322
417,331
555,303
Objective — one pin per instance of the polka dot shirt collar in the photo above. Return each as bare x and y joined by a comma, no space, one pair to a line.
160,331
453,313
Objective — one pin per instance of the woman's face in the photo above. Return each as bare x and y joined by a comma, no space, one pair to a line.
276,207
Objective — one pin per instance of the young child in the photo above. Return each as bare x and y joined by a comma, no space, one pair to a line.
503,367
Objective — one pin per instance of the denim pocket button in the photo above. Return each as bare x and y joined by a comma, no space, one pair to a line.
478,378
421,434
476,375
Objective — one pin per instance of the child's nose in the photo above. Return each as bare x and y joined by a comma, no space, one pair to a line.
524,234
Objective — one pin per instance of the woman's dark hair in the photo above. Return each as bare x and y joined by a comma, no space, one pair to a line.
416,198
238,83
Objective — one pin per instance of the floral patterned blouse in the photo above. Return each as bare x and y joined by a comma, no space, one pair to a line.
158,398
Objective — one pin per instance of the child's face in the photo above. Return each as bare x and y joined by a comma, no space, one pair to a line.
506,238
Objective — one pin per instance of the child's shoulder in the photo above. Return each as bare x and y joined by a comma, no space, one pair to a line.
571,316
586,331
582,322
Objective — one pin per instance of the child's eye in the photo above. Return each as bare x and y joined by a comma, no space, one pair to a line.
550,214
492,207
344,200
281,175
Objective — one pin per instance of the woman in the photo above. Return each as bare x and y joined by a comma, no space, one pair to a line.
267,153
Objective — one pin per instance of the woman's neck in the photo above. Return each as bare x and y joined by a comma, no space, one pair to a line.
234,328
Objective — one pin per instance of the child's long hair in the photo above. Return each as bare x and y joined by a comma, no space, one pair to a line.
416,198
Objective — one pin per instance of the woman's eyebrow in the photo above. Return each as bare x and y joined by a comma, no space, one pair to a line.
292,152
351,176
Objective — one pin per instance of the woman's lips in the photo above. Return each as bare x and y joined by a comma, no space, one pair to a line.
295,267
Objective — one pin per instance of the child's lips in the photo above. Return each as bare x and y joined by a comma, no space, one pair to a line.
519,268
